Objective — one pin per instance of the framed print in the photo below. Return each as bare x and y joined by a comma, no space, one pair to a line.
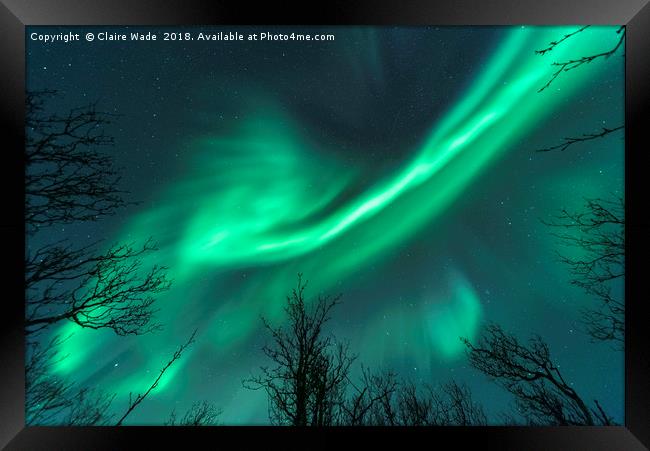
383,221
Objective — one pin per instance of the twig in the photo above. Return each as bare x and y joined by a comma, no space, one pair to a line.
585,137
553,44
140,398
572,64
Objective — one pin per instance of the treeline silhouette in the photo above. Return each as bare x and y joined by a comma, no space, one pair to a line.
309,380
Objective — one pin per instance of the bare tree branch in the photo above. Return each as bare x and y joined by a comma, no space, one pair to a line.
451,404
462,410
553,44
94,291
51,399
585,137
566,66
67,179
199,414
598,234
542,394
133,403
370,401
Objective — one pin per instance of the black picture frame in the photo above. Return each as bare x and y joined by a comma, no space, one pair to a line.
16,14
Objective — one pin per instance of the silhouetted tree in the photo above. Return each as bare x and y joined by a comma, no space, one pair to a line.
542,395
309,370
459,407
310,382
597,233
93,290
54,399
90,407
554,44
415,408
45,394
368,402
67,179
449,404
199,414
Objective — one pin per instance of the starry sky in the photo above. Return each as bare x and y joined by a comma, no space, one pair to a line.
396,166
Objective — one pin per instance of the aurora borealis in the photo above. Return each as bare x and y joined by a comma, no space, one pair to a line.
394,165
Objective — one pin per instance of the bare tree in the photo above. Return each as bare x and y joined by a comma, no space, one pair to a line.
379,399
459,406
199,414
450,404
309,368
417,406
90,407
369,401
598,234
54,399
542,395
67,178
94,291
135,402
46,395
310,382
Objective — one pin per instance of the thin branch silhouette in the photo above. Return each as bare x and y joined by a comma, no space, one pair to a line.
585,137
598,233
67,178
200,413
133,403
566,66
95,291
553,44
53,399
305,383
527,370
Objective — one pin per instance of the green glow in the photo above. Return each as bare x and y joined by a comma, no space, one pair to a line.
76,349
257,216
267,200
459,317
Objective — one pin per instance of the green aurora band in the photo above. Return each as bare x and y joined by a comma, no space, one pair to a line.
268,201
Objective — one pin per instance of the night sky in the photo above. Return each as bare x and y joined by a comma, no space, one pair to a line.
396,166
